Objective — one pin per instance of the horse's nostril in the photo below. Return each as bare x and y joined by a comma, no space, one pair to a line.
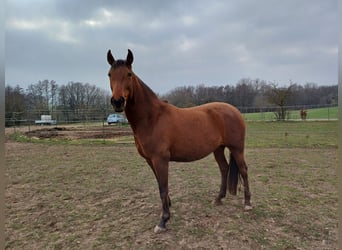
117,103
112,101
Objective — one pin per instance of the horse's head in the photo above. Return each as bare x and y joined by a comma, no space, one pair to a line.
121,80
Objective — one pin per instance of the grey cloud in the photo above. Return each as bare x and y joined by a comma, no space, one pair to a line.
174,42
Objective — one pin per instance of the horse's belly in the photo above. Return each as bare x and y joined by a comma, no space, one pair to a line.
192,150
187,158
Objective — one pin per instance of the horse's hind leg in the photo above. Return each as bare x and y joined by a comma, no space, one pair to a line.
224,167
243,169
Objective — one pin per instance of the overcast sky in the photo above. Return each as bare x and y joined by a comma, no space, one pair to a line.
175,43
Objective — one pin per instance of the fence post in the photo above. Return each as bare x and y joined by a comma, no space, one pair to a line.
103,123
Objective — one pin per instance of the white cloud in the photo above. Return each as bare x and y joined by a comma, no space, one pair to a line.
186,44
188,20
242,55
60,30
105,18
155,24
21,24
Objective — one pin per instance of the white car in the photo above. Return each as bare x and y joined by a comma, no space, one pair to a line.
116,118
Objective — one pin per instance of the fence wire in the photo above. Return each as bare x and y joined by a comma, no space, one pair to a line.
84,116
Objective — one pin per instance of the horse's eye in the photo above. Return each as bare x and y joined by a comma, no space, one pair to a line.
109,74
129,74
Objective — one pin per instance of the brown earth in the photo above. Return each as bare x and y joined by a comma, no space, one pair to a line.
106,132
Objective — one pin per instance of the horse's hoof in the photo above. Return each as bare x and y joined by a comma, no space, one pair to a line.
159,229
248,207
218,203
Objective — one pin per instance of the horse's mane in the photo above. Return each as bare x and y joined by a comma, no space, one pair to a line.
146,90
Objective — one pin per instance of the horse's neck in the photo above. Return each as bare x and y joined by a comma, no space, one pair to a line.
143,106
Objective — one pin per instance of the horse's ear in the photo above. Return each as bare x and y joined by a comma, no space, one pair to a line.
110,58
129,59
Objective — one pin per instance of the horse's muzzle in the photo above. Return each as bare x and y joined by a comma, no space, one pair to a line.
118,104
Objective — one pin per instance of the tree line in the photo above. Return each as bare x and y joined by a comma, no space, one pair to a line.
254,93
70,102
78,101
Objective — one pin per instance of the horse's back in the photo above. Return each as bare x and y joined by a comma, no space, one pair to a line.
220,112
216,123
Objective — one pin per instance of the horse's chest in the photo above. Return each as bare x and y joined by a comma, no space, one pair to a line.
151,147
143,147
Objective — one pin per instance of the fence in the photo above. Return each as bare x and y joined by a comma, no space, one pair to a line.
61,116
308,112
314,112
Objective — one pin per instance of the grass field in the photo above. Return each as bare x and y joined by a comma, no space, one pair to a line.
292,134
102,194
330,113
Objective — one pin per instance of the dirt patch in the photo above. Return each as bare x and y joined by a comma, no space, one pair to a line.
75,133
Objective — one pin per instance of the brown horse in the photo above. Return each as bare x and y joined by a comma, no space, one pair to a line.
165,133
303,114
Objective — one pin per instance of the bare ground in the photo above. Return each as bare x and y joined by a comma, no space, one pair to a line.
106,197
81,132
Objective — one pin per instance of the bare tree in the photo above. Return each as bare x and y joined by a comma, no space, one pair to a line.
280,96
15,108
181,96
244,93
43,95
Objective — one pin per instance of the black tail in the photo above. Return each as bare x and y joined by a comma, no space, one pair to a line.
233,176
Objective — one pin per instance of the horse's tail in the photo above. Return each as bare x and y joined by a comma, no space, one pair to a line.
233,176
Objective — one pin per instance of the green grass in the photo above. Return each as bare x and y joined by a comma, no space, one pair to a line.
323,113
313,134
313,114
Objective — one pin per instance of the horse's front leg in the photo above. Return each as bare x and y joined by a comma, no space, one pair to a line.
161,169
